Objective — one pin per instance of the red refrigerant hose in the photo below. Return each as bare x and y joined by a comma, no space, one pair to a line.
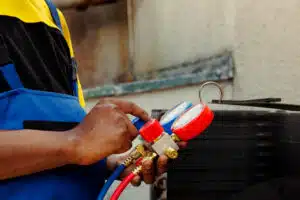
128,179
125,183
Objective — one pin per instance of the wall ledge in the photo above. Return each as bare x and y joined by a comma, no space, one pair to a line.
216,68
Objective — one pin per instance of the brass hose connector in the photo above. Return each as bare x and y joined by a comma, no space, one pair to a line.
137,170
171,153
128,161
138,152
148,156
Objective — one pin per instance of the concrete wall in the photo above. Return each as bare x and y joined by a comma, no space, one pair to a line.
264,36
169,32
267,49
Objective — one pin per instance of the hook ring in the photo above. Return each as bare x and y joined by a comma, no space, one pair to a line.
211,83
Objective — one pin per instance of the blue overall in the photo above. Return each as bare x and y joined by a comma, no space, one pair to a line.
22,105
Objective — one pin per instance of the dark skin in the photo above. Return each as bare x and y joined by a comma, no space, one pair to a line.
106,130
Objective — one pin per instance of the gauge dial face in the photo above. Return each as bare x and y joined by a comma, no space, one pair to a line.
175,112
188,116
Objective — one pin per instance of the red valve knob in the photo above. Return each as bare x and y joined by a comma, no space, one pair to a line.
151,130
193,122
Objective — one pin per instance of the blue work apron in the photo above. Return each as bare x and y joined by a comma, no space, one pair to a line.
21,107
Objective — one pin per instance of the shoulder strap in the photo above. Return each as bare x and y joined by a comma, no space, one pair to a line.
54,14
56,20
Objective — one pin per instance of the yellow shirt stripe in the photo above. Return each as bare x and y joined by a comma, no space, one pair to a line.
34,11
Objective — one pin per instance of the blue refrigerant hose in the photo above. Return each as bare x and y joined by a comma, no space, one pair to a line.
115,175
138,123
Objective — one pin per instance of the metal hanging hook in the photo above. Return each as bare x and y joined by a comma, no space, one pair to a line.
211,83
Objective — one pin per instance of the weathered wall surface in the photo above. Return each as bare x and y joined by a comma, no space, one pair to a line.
100,40
170,32
162,33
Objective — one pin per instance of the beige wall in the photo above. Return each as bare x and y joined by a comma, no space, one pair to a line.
171,32
264,36
267,49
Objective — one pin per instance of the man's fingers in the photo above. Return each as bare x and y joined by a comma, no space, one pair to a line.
162,164
136,181
130,127
127,171
148,172
124,147
128,108
132,130
182,144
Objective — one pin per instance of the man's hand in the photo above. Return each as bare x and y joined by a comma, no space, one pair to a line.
150,169
105,130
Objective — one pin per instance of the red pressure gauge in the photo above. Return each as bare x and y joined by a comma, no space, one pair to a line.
193,122
151,131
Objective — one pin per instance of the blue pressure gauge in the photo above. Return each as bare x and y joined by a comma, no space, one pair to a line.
171,115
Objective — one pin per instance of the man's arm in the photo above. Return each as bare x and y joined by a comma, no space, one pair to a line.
104,131
28,151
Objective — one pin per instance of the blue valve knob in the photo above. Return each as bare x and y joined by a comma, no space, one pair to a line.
138,123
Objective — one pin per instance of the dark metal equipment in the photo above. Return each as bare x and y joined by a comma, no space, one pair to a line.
242,155
245,154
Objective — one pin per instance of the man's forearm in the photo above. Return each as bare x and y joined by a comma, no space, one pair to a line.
24,152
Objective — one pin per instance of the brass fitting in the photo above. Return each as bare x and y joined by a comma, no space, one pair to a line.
175,138
171,153
137,170
138,152
128,161
149,156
